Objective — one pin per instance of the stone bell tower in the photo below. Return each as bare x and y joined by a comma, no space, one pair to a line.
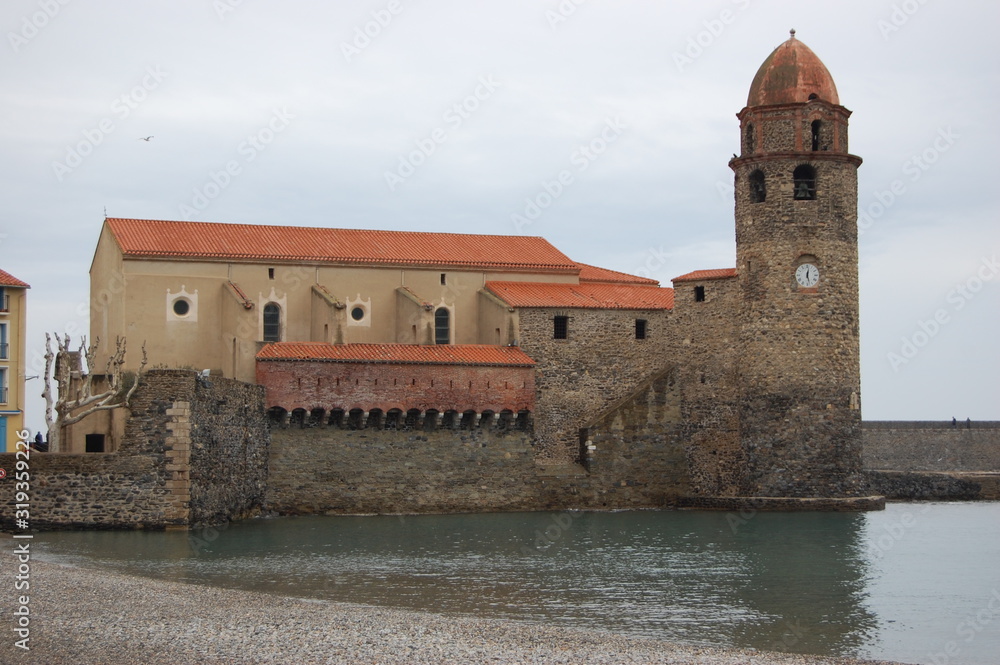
797,267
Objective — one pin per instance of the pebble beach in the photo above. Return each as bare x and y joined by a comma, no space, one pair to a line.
89,617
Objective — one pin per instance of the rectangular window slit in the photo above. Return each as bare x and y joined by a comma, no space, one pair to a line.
560,325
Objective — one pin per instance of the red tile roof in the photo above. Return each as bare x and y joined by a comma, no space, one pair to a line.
584,296
6,279
590,273
248,242
440,354
703,275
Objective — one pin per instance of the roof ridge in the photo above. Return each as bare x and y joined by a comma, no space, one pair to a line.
325,228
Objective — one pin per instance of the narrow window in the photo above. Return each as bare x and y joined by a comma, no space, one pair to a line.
699,294
272,322
804,183
3,385
270,273
758,190
560,327
640,328
815,134
444,279
751,140
4,354
442,326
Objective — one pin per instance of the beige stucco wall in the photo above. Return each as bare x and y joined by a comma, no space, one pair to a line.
134,298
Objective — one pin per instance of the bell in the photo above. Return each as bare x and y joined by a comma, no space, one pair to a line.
803,190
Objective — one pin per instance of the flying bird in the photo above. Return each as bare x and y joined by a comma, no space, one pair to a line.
145,138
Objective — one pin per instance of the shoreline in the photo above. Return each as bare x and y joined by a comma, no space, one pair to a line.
92,617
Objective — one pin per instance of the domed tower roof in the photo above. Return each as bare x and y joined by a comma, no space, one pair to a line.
792,74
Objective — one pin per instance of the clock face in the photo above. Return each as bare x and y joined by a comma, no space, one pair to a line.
807,275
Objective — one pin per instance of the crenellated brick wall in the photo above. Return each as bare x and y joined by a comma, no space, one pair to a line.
344,386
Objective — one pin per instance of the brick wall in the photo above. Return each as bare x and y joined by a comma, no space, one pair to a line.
328,386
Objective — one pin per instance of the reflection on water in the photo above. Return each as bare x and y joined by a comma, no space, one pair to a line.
821,583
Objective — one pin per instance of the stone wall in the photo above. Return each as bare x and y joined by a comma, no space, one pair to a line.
704,350
931,446
636,452
229,451
599,363
332,470
191,453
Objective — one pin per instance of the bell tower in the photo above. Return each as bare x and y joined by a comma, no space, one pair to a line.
797,267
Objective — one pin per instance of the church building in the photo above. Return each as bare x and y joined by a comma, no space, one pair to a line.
391,329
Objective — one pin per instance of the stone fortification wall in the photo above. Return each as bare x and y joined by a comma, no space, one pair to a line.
332,470
931,446
637,459
636,452
191,453
600,362
704,349
229,451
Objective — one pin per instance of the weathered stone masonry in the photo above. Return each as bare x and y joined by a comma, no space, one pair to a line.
192,453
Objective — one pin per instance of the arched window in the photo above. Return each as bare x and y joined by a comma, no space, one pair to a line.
272,322
804,183
442,326
816,124
751,140
758,191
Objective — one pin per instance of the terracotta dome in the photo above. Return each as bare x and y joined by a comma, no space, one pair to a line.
792,74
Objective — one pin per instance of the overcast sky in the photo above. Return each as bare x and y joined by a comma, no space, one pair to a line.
441,115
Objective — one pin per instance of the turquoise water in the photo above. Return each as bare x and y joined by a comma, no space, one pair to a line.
918,583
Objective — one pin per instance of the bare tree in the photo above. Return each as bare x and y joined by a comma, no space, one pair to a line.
75,385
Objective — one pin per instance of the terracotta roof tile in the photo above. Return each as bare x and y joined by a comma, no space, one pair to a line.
703,275
582,296
6,279
248,242
590,273
440,354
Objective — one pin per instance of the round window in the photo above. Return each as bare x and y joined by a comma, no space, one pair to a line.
358,313
181,307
